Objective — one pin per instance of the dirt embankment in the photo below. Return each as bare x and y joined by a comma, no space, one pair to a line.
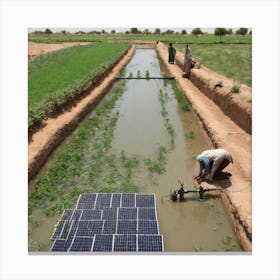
238,106
54,129
224,132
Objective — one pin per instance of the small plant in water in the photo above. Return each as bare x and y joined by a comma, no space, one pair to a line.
197,248
190,135
147,76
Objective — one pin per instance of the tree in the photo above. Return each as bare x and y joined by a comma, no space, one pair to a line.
242,31
220,32
146,31
184,32
113,31
229,31
169,32
48,31
134,30
157,31
197,31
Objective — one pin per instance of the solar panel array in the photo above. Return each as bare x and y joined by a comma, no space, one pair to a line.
109,223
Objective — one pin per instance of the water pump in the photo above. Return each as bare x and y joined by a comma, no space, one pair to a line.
181,192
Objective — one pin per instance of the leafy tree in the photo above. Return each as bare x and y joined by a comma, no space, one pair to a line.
242,31
184,32
103,31
48,31
157,31
197,31
220,32
146,31
168,31
229,31
134,30
113,31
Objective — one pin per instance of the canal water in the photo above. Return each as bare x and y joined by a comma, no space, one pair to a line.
153,144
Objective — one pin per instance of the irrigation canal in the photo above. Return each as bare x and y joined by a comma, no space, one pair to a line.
145,143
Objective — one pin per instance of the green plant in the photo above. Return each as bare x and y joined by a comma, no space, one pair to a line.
190,135
58,76
197,248
235,88
147,76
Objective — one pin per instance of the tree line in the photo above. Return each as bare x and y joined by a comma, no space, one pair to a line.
134,30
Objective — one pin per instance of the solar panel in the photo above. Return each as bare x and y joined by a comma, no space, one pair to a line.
86,201
125,243
145,200
76,214
81,244
72,231
146,213
66,229
89,228
109,213
127,213
116,200
58,230
109,227
59,246
109,222
67,214
103,243
147,227
127,227
91,214
103,200
128,200
150,243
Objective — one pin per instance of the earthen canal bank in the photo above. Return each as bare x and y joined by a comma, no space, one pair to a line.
225,117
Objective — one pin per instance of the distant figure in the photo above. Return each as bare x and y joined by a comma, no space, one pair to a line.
171,53
187,61
211,163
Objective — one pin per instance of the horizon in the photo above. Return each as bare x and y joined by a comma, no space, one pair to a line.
124,29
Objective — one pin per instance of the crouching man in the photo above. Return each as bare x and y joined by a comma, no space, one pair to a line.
211,164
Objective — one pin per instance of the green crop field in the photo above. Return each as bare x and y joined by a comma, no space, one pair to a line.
54,77
202,39
231,60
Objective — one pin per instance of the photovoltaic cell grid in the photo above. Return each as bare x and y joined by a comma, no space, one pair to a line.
109,222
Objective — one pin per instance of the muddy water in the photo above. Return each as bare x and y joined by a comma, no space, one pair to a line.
140,131
190,225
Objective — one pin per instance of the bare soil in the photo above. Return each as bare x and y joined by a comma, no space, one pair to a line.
35,49
216,116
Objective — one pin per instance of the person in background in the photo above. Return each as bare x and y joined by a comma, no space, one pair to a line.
211,164
171,53
187,61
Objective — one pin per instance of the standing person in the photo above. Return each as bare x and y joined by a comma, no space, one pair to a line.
171,53
212,162
187,61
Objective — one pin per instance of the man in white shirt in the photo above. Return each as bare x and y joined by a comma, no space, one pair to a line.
212,162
